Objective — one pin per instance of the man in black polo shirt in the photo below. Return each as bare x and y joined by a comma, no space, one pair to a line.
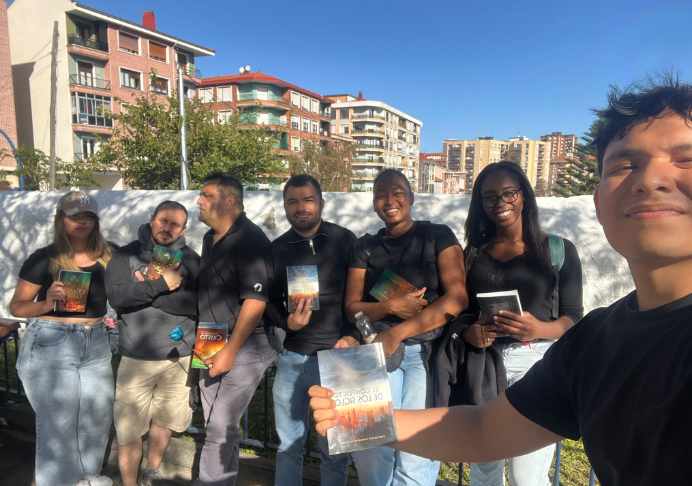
310,241
233,289
621,378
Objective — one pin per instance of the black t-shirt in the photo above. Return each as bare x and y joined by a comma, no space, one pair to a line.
231,271
622,380
413,256
488,274
36,270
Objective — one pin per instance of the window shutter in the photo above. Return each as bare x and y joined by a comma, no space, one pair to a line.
157,51
129,43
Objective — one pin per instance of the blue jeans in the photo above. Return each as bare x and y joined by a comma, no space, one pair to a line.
67,375
530,469
411,390
295,374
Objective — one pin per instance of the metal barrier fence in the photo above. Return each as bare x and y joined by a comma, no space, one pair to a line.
6,390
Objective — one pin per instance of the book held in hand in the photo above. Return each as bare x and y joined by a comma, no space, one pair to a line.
493,302
390,286
211,337
303,284
161,259
358,378
76,291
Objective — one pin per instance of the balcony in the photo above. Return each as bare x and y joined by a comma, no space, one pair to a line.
254,97
362,116
189,70
364,174
366,143
326,113
89,82
76,40
362,131
368,159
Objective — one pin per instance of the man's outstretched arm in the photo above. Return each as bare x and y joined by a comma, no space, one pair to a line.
483,433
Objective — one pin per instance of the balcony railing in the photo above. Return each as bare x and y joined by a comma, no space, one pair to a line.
254,96
189,70
358,116
327,113
76,40
368,130
377,160
89,81
364,143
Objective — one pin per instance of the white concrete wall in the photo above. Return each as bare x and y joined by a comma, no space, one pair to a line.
26,224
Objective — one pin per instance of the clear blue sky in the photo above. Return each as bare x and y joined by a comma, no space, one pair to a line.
464,68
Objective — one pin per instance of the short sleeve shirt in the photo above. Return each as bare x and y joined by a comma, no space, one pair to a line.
231,271
413,256
36,270
621,380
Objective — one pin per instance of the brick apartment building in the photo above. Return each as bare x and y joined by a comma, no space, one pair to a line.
295,114
100,57
561,145
8,120
436,179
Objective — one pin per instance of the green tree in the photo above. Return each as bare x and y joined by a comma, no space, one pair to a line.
329,163
145,145
581,174
36,170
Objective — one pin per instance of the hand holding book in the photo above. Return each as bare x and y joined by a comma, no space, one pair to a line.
408,305
300,317
522,327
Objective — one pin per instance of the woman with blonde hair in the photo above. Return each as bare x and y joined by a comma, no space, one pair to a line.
64,358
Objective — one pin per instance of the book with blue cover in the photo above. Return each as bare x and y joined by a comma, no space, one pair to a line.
358,378
303,284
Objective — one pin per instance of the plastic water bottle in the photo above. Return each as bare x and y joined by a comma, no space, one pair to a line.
365,328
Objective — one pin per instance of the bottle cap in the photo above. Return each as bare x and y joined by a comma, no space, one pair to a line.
358,314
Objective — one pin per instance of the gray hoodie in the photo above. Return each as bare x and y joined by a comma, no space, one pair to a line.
148,311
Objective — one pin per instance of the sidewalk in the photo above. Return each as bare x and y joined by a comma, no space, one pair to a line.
17,447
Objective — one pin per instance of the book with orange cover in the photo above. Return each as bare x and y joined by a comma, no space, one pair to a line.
211,337
76,291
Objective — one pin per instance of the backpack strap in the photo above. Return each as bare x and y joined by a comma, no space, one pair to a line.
557,258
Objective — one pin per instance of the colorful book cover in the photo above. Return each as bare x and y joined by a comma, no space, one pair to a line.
161,259
390,286
211,337
493,302
358,378
303,284
76,291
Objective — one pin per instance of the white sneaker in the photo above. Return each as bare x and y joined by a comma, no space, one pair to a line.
97,480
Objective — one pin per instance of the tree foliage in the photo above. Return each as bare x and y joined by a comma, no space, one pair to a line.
35,168
145,145
581,174
329,163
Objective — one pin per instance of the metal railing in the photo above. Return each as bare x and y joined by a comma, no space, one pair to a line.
76,40
189,70
367,130
6,389
378,160
255,97
358,116
90,82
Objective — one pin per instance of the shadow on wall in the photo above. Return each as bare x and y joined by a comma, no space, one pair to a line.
21,74
26,224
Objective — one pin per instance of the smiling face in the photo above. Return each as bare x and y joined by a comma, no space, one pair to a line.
644,200
504,214
167,226
303,208
392,200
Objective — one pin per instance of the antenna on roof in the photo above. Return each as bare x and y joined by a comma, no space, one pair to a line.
247,68
242,70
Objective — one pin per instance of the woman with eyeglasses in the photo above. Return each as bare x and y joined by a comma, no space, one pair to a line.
64,359
506,250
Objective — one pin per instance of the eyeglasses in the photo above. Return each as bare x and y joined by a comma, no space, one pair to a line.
76,218
508,197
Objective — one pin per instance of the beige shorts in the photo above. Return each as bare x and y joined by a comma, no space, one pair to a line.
151,390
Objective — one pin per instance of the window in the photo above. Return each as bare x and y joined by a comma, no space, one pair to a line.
295,122
189,92
344,129
315,106
159,85
89,147
224,93
89,109
295,99
224,116
158,52
314,127
85,77
128,43
343,114
306,103
206,95
306,125
182,60
130,79
295,144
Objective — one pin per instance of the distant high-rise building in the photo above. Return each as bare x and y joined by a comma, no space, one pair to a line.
472,156
386,138
561,145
